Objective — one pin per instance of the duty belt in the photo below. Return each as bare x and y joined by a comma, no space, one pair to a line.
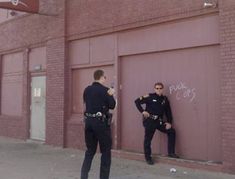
98,114
156,117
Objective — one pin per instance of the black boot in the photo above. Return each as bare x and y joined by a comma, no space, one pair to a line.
150,161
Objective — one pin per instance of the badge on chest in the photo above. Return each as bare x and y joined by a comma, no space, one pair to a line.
162,102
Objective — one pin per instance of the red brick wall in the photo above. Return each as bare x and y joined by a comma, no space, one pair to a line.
29,31
56,84
98,15
89,18
26,99
50,7
55,97
75,134
227,56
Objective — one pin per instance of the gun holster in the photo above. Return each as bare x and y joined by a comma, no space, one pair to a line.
108,118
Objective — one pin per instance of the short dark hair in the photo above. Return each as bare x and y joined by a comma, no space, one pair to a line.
98,74
159,84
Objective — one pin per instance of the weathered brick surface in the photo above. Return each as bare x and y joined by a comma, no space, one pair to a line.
83,18
88,16
50,7
75,135
55,97
20,34
57,73
31,29
227,56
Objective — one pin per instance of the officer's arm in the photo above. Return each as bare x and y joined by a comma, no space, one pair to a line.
84,100
85,95
111,102
168,111
139,101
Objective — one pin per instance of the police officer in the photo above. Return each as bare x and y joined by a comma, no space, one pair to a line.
98,100
156,106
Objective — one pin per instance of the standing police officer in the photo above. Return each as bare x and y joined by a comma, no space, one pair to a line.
98,100
156,106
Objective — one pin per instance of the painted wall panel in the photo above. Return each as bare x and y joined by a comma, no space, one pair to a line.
103,48
191,83
12,84
79,52
93,51
188,33
37,56
12,63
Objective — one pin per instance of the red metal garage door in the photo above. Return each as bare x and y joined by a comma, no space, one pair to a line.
191,83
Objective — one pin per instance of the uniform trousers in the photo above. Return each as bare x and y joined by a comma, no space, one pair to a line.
150,126
97,131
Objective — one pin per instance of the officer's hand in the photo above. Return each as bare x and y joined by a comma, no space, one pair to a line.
145,114
168,125
111,91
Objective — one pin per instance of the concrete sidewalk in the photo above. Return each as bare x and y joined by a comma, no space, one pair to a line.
27,160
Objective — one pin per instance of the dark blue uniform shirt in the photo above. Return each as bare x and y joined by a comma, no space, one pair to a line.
97,99
155,105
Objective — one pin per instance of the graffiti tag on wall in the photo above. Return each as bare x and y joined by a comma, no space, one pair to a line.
182,91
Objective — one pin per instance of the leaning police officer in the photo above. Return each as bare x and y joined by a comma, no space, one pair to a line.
98,100
156,106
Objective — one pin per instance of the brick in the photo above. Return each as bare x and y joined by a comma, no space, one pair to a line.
227,17
91,18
